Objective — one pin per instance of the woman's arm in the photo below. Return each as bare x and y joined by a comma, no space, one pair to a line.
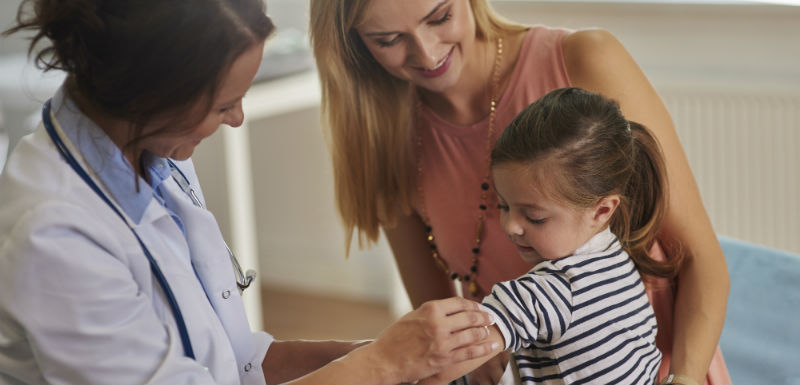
423,279
436,335
288,360
596,61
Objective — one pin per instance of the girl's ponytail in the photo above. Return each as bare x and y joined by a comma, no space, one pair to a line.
645,204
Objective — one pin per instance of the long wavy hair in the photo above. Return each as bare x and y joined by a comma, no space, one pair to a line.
592,152
368,117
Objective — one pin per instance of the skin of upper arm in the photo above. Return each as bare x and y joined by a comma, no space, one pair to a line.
455,371
598,62
422,278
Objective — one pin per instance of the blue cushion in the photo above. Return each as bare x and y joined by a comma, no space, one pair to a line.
761,336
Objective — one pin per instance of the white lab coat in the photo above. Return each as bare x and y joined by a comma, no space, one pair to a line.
78,301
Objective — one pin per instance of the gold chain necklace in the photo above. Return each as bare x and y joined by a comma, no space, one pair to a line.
476,249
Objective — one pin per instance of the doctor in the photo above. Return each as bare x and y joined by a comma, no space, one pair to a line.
111,271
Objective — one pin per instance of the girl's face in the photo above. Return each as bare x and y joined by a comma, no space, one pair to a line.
425,42
541,227
226,108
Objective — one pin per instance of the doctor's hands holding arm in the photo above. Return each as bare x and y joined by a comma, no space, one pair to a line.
437,335
481,369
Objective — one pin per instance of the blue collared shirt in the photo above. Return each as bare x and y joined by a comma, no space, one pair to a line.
131,192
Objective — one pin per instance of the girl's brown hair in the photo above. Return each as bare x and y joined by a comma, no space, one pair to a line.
593,152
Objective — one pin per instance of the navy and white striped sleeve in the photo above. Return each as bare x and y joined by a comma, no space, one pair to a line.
531,308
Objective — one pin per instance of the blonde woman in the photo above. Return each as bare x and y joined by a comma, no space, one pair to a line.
416,91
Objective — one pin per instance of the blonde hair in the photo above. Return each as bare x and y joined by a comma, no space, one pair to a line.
368,117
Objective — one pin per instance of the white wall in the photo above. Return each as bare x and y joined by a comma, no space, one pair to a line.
726,42
8,14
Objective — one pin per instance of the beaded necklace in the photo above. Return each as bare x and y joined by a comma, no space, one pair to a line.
476,249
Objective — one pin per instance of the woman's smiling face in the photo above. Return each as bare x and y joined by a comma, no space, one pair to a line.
424,42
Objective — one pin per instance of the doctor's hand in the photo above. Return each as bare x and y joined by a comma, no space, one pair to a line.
490,372
436,335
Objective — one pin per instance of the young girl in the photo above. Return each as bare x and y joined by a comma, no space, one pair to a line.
582,194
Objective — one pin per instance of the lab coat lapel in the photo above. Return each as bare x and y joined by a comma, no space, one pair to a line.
174,256
213,267
157,225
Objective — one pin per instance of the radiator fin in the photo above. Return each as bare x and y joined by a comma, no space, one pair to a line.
742,148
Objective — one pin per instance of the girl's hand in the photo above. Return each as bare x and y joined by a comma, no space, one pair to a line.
490,372
436,335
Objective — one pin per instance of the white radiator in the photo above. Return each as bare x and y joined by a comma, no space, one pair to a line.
743,150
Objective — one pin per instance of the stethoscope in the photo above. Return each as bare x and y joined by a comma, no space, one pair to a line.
243,280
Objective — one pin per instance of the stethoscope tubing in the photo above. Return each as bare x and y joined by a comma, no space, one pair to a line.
159,275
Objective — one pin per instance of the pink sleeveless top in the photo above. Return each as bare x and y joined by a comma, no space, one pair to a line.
454,163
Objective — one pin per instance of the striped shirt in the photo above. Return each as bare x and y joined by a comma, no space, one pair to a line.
584,318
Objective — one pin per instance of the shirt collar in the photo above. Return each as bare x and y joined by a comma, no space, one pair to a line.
107,160
599,243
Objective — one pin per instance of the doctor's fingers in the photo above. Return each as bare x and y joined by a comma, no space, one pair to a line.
466,320
472,351
450,306
465,338
454,314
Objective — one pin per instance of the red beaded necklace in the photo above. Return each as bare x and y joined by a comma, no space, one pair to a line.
476,249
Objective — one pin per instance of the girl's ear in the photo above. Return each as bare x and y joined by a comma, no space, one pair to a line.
604,209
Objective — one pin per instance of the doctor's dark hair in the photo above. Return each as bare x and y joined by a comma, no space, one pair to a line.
136,60
590,151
